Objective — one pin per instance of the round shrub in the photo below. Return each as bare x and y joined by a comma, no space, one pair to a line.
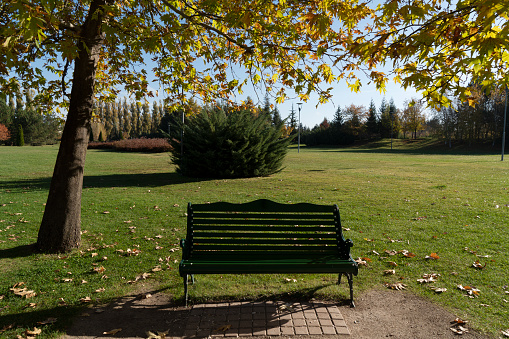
222,143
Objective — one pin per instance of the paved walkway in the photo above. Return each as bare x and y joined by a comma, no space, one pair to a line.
265,319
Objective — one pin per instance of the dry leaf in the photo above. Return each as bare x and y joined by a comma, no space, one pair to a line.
112,332
106,212
36,331
31,305
478,265
6,327
392,252
432,256
157,335
100,269
459,330
223,328
389,272
396,286
392,263
438,289
47,321
428,278
23,292
99,290
86,300
506,332
361,262
290,280
157,268
95,254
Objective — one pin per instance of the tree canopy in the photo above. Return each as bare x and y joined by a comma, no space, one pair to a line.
195,47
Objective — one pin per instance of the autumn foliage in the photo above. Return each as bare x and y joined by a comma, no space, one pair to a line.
4,133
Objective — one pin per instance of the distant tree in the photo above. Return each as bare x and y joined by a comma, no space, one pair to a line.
276,117
20,138
337,120
4,133
292,120
372,123
413,118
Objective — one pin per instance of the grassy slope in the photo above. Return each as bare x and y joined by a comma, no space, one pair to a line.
407,199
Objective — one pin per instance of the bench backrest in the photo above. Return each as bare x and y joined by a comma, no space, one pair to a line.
265,227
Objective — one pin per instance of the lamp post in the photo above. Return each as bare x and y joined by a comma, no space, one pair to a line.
505,125
299,104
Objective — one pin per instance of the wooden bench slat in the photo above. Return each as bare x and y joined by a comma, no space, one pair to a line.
199,247
261,235
279,228
258,215
198,221
201,241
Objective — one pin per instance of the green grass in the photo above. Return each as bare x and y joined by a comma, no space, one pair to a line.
421,200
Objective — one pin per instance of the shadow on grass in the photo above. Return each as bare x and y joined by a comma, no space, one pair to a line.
111,180
18,251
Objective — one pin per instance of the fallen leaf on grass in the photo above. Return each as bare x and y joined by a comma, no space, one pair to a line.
361,262
86,300
428,278
112,332
506,332
35,331
290,280
100,290
471,291
99,269
392,263
438,289
6,327
389,272
23,292
396,286
432,256
478,265
31,305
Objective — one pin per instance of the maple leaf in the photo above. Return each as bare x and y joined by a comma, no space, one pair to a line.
432,256
438,289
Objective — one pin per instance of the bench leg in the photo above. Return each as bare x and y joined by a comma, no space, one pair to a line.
185,289
339,278
349,276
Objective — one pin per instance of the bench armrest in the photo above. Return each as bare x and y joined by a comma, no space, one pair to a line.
185,248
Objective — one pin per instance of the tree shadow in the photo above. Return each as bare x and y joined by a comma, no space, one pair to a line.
18,251
110,180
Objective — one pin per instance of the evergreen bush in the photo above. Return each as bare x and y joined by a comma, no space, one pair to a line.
222,143
20,138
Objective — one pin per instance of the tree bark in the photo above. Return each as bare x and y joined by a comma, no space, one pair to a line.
60,229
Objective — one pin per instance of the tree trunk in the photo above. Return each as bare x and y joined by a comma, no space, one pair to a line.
60,228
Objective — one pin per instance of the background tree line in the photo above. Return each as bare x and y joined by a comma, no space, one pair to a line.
21,121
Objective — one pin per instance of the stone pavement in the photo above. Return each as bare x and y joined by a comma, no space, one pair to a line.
237,319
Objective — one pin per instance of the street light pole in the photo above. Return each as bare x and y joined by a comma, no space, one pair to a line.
299,104
505,123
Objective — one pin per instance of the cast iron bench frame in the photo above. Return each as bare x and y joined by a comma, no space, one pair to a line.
262,237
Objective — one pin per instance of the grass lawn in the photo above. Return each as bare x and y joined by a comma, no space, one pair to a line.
431,203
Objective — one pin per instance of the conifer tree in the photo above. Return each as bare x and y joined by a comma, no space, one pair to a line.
276,117
221,143
146,120
372,122
108,119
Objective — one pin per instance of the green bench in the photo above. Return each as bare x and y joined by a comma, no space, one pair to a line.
265,237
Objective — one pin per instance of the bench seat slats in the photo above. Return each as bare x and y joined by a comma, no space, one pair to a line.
198,242
198,221
292,228
265,235
262,206
262,216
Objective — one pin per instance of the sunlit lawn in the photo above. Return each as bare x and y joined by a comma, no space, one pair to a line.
453,205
